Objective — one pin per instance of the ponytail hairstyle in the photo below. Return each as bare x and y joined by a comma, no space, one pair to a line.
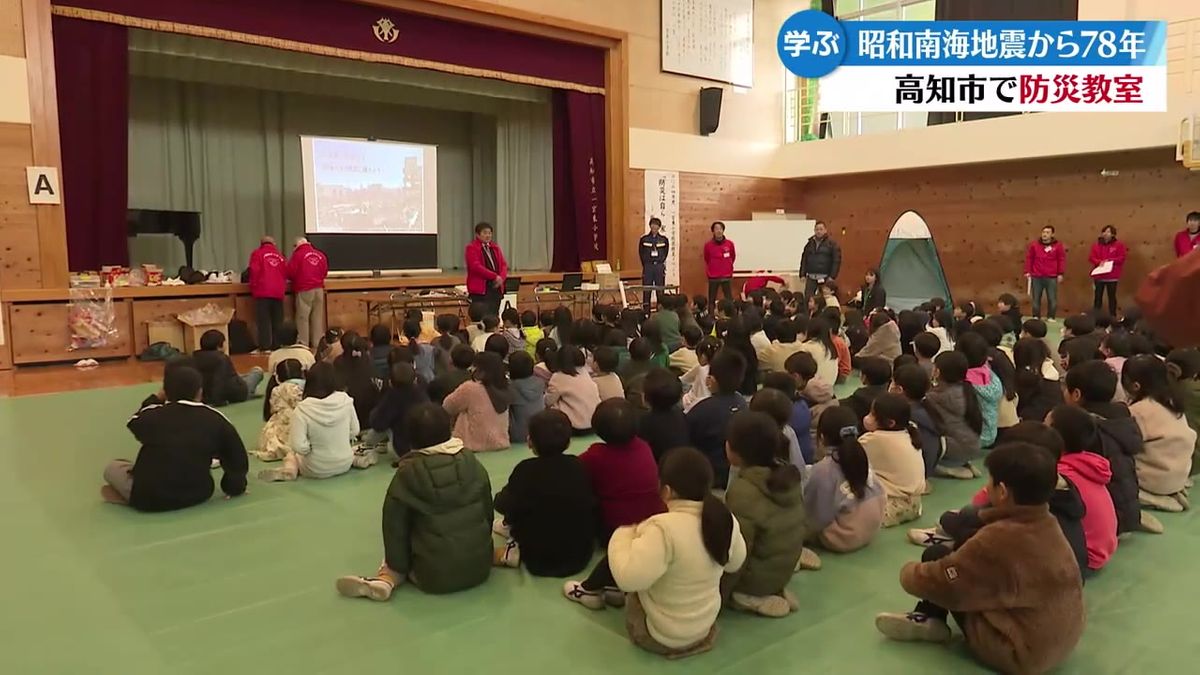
287,369
1029,354
751,437
820,332
708,348
1146,377
689,475
838,429
546,351
952,372
777,406
892,412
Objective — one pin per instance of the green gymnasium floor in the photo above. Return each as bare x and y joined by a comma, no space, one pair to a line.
246,586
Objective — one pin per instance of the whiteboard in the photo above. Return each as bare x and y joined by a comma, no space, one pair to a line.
771,245
709,39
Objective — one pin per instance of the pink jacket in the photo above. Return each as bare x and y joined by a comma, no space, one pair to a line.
476,421
478,274
268,272
1185,242
719,258
1090,473
1045,260
575,395
1115,251
307,268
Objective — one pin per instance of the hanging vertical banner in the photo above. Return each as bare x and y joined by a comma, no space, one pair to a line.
662,202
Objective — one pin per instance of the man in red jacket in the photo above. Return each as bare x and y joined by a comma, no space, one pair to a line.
268,284
307,270
1045,263
1110,253
486,269
719,256
1189,238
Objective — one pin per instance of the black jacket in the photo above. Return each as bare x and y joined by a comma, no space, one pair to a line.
650,244
873,297
179,440
1034,403
222,385
1120,440
821,257
707,422
862,400
389,413
663,430
549,505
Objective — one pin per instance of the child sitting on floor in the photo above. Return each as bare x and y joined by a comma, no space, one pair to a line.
222,383
324,428
800,418
532,332
1090,473
284,391
685,358
893,449
545,354
622,469
445,342
1014,588
572,390
513,331
605,376
381,346
404,394
479,406
330,346
876,376
695,381
355,375
1165,463
462,357
663,426
844,501
490,326
547,509
179,439
956,407
708,421
987,386
423,354
1187,362
767,499
912,383
498,345
529,396
633,373
671,564
436,532
926,347
778,406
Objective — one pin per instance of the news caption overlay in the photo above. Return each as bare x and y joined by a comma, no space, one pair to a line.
990,66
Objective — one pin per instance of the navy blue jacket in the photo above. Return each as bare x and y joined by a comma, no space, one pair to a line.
651,243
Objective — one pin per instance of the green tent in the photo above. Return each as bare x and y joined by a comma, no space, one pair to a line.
911,271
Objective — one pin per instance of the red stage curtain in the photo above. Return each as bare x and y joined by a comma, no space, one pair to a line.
580,206
91,62
351,26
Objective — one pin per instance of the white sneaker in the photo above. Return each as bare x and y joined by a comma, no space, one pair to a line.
772,606
929,536
575,592
974,470
809,560
500,527
912,627
955,472
363,587
1150,524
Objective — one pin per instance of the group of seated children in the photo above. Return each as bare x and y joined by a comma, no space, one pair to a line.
690,406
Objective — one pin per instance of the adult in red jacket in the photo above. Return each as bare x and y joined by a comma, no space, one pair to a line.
1188,238
1109,252
1045,263
486,269
307,270
268,285
719,256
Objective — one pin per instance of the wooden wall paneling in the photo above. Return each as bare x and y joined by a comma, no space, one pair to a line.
12,32
6,362
20,261
983,217
39,333
149,310
43,115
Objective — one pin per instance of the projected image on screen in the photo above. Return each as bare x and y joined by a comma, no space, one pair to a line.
369,187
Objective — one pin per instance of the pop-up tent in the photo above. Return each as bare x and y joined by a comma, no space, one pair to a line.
910,270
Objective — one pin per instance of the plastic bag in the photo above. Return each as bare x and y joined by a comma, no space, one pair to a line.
91,318
207,315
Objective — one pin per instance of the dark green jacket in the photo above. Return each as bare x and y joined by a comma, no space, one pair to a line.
437,521
774,526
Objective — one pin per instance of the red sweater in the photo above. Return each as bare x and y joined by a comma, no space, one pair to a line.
1045,260
1115,251
625,480
307,268
1185,242
718,258
268,273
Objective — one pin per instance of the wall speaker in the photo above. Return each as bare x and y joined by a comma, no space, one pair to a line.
710,109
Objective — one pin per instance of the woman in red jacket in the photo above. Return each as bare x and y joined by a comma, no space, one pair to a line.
486,269
719,255
1110,253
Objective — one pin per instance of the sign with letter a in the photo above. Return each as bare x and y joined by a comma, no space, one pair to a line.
43,184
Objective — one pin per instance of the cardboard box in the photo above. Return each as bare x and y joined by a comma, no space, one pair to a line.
166,330
191,335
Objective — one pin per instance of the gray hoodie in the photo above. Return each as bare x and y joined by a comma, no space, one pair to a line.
322,432
819,395
948,404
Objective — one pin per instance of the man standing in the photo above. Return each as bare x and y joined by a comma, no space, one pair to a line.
821,260
307,271
653,249
268,284
1189,237
1045,262
486,269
